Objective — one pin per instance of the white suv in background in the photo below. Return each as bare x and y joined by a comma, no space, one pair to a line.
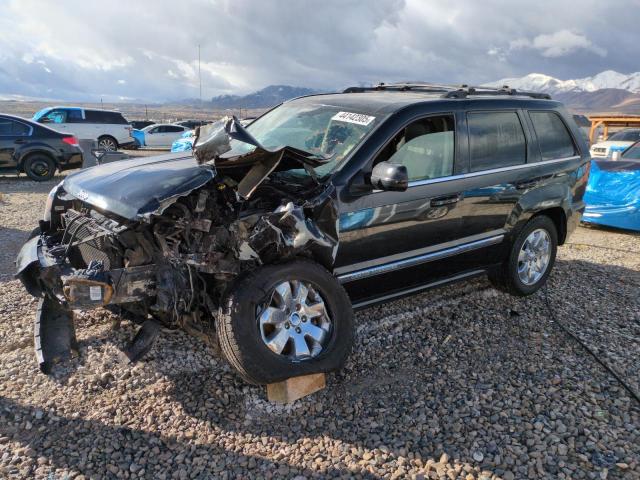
109,128
619,142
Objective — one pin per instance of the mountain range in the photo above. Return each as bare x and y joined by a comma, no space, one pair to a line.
608,91
265,98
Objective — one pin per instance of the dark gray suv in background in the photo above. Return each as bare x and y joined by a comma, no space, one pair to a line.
264,238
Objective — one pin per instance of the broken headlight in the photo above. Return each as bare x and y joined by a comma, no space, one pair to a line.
53,194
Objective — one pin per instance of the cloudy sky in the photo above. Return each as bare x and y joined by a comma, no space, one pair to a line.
148,49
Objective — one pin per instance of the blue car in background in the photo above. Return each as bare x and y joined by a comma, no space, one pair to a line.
613,191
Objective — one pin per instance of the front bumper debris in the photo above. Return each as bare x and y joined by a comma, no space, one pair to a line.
63,288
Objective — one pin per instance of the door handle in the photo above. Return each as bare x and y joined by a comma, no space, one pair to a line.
446,200
20,140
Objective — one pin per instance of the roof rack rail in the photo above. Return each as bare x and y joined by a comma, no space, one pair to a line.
448,91
404,87
467,91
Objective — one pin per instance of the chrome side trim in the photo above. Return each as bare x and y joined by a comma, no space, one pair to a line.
418,183
419,288
417,260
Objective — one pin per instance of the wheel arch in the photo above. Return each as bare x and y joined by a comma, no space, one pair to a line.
26,155
107,135
552,200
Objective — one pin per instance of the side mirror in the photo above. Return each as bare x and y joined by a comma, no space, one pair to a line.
615,156
390,176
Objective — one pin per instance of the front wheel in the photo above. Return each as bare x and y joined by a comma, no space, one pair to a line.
531,258
286,320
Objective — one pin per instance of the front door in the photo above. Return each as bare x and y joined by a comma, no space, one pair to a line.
388,239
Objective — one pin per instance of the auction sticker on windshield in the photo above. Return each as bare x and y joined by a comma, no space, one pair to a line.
350,117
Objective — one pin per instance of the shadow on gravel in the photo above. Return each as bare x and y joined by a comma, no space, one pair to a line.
68,435
11,241
484,377
23,184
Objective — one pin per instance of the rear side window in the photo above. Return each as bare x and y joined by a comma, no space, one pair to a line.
101,116
553,137
171,129
496,139
74,116
13,128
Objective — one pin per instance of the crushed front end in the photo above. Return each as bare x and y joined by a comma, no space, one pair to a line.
165,260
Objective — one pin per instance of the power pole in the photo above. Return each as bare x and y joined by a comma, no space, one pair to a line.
199,75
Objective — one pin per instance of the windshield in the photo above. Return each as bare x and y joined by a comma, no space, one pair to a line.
626,136
632,153
41,113
324,130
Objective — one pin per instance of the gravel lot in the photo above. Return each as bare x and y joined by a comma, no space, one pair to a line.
461,382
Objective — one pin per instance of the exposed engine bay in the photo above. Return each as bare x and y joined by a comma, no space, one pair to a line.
170,265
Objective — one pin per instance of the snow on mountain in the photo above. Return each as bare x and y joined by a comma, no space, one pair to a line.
544,83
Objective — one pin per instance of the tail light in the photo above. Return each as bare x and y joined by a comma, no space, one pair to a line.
71,140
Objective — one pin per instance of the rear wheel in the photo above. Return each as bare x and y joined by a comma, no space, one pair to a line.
284,321
531,258
39,167
108,143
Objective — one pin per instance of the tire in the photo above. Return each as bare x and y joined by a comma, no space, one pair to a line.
507,278
107,142
39,167
241,333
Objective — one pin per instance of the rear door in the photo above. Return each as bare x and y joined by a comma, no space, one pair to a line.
77,124
498,150
172,133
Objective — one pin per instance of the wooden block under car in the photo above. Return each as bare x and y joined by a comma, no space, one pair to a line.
295,388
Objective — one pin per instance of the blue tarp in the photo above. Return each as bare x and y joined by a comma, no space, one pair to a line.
184,143
138,136
613,194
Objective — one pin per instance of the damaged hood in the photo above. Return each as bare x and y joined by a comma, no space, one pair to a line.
138,187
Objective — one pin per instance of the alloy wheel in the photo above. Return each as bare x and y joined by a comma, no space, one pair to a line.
108,144
295,323
534,257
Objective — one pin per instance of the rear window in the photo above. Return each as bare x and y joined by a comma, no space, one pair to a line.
626,136
496,139
171,129
553,137
102,116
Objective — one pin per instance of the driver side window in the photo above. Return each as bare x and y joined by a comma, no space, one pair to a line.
55,116
426,147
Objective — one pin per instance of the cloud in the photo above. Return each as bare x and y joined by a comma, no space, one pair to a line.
152,45
558,44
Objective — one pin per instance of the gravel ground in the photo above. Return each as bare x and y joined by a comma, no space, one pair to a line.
461,382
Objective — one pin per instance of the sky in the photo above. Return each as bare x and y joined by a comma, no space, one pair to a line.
147,50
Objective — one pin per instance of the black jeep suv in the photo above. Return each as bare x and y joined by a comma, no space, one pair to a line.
264,238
